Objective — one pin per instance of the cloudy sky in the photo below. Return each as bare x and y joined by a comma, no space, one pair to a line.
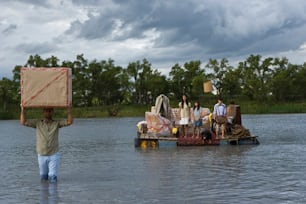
165,32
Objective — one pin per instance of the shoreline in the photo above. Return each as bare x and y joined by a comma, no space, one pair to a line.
139,110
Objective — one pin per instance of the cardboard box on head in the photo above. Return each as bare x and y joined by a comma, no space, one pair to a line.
46,87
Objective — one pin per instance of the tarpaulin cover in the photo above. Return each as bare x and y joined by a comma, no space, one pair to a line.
158,124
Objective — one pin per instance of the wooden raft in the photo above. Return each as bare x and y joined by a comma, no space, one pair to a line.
145,140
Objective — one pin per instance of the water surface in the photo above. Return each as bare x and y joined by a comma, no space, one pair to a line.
99,164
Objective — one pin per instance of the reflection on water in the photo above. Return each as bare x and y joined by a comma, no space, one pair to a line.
48,193
99,164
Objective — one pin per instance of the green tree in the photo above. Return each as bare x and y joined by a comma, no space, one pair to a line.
16,84
187,80
133,70
81,81
219,70
256,77
157,84
101,82
36,61
52,61
301,82
281,80
107,88
177,82
126,87
140,72
7,93
146,83
194,78
232,84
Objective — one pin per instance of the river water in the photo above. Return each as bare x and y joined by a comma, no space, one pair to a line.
99,164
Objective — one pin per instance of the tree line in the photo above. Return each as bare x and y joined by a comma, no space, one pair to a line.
98,83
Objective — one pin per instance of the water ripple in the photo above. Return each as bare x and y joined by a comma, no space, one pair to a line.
99,164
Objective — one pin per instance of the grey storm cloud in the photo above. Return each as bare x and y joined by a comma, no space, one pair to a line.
35,48
163,31
216,26
8,30
33,2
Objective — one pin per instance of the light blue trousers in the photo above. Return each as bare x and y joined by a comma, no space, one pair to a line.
48,167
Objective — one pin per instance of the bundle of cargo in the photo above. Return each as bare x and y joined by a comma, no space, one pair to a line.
46,87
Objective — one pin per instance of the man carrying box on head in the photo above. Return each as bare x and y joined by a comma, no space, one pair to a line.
47,141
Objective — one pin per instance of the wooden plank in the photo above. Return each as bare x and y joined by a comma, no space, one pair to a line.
154,137
191,141
167,138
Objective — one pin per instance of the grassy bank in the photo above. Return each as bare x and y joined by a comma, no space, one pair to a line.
111,111
253,108
139,110
82,112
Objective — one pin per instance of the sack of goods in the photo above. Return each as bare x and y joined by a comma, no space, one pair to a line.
221,119
240,131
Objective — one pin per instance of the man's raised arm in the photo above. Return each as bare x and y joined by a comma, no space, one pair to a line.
69,116
22,116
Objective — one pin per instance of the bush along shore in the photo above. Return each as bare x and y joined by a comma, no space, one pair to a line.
139,110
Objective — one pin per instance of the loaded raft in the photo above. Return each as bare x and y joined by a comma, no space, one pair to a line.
162,125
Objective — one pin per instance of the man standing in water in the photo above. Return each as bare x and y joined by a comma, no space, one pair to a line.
47,141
